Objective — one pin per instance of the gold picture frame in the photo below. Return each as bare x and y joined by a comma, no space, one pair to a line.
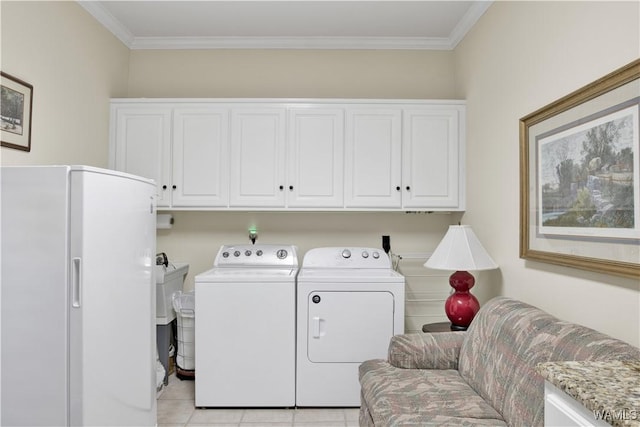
15,115
580,177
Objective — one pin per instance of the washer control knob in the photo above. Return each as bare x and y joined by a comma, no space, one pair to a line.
247,252
346,254
375,255
236,253
225,254
282,253
365,254
259,252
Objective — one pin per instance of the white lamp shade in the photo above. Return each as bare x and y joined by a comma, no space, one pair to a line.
460,250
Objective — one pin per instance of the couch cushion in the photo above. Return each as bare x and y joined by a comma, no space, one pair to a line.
426,351
505,342
397,397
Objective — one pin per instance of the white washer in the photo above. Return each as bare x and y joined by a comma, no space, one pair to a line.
245,328
350,304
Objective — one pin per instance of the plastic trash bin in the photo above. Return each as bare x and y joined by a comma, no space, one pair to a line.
184,306
169,279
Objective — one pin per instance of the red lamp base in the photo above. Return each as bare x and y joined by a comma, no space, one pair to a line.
461,306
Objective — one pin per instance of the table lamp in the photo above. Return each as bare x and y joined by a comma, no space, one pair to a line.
460,250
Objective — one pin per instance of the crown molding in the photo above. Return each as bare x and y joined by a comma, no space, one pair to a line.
290,43
467,22
334,43
112,24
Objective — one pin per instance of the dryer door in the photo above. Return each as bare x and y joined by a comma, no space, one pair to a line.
349,326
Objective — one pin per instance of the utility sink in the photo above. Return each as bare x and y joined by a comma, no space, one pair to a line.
168,280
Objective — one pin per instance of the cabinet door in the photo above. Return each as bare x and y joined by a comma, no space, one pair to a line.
431,158
200,157
560,409
315,158
141,145
257,157
372,158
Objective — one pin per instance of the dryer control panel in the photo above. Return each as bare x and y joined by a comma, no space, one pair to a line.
347,257
261,255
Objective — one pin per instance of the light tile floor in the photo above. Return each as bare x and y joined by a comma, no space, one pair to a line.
176,409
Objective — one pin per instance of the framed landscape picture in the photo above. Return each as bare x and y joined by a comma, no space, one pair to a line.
580,177
15,112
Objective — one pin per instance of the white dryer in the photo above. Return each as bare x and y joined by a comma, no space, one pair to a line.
350,304
245,328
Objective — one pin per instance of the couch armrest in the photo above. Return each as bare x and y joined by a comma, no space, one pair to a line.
426,351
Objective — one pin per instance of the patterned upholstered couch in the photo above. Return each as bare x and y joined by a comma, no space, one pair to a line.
484,376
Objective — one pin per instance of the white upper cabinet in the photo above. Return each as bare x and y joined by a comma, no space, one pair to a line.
278,154
432,159
200,157
257,157
140,144
286,159
185,150
315,158
373,158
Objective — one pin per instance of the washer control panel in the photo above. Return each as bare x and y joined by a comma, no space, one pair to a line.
261,255
346,257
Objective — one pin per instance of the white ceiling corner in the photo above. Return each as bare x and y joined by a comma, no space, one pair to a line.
102,15
467,22
140,25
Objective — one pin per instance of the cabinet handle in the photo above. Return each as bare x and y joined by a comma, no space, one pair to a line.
281,187
291,188
398,188
174,187
164,187
408,188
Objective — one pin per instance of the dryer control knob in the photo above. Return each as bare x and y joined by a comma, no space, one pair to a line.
247,252
376,255
365,254
236,253
282,254
259,252
225,254
346,253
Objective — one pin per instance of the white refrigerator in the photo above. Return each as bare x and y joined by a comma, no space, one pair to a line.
78,297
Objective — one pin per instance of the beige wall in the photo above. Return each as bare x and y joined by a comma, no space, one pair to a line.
75,65
196,236
291,74
520,57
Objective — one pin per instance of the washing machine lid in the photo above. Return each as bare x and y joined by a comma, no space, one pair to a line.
349,275
253,275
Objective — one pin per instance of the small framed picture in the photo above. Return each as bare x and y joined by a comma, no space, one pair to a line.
15,113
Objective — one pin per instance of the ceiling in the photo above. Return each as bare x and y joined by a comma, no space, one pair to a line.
288,24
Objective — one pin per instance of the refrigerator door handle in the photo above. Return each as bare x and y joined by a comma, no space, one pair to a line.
76,282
